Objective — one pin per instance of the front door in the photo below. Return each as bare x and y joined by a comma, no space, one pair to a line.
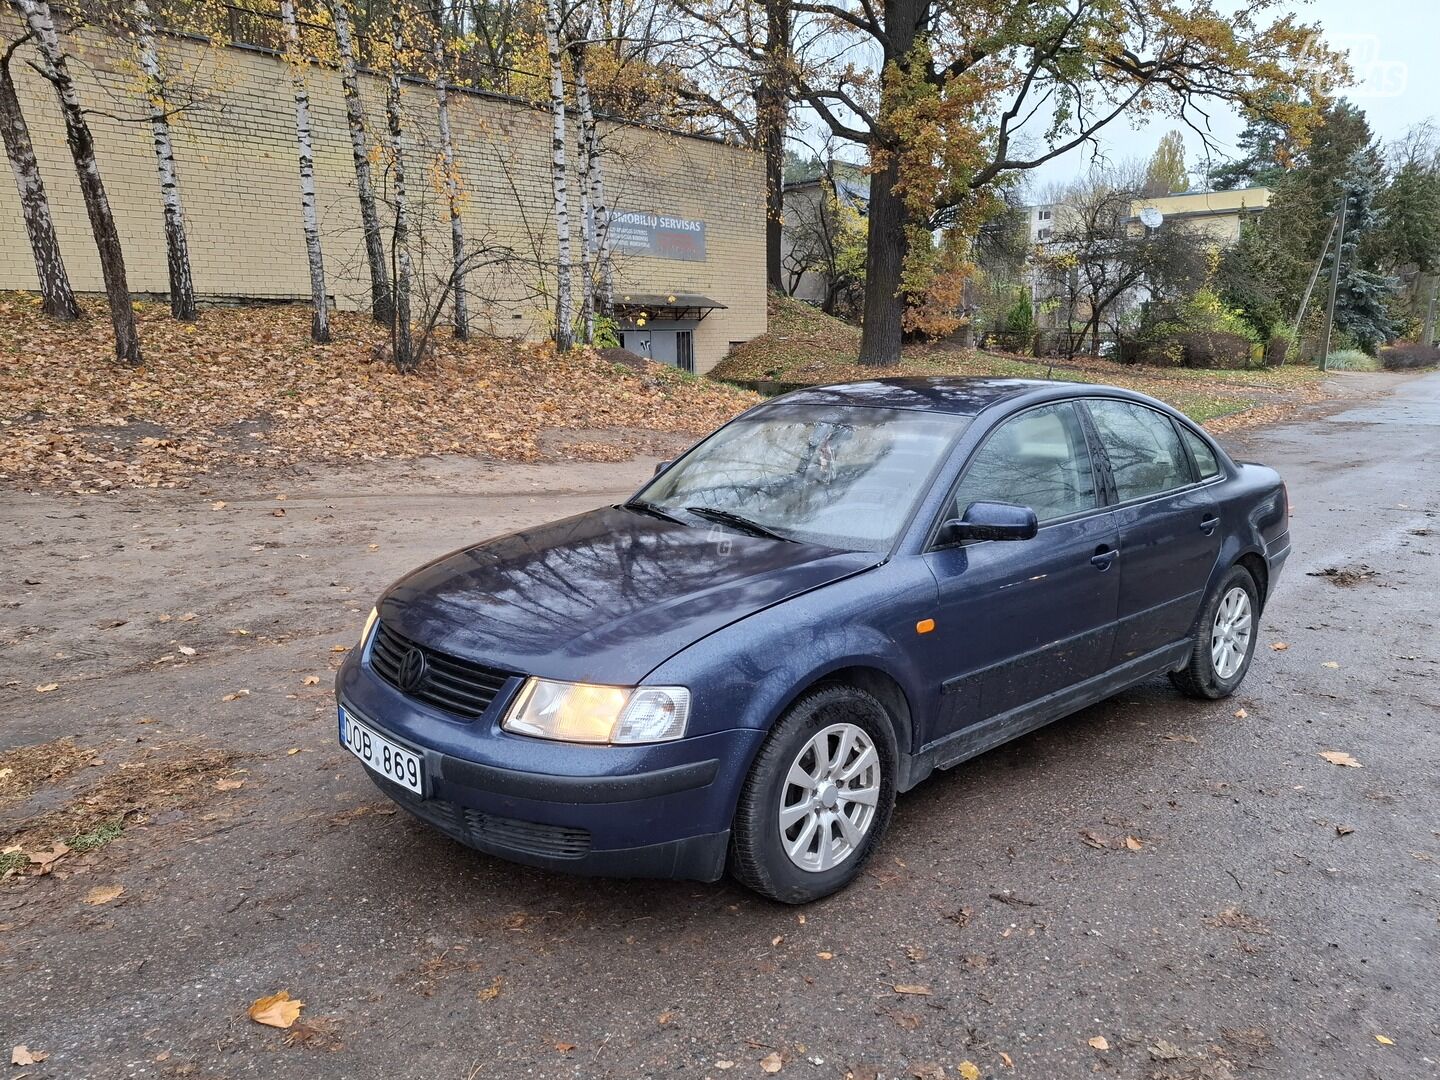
1169,526
1023,619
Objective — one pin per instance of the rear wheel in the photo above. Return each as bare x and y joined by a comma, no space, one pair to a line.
818,797
1225,637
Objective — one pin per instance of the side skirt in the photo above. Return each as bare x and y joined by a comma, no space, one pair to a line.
978,738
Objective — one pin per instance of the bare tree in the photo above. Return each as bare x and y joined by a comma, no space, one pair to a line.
177,251
602,286
401,352
56,298
453,198
320,318
41,23
380,300
564,301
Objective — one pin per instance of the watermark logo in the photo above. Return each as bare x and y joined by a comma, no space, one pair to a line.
1373,75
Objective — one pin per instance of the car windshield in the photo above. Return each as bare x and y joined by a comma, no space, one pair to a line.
841,477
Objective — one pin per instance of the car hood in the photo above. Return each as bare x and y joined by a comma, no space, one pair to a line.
605,596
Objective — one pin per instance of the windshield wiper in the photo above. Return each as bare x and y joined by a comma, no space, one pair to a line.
726,517
640,506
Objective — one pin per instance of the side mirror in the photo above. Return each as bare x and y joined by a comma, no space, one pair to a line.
990,521
661,466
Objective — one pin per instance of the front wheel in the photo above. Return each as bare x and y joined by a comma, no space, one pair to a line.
1225,637
818,797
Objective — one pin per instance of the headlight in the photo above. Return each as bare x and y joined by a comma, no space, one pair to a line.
369,625
583,712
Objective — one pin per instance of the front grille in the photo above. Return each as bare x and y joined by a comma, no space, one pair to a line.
458,686
490,833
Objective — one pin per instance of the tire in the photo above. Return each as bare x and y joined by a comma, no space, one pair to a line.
758,847
1204,677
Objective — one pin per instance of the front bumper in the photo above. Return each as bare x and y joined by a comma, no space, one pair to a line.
661,810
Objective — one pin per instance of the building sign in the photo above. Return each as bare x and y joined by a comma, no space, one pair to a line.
661,236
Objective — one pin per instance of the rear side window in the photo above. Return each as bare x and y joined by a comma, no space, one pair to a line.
1145,453
1204,456
1038,459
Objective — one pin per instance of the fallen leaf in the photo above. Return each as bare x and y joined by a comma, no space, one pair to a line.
189,616
1279,646
1099,1042
1339,757
1383,1041
564,1047
1092,839
1133,843
776,940
23,1055
237,695
228,785
103,894
1164,1051
908,988
186,650
927,1070
1344,830
277,1010
42,860
772,1063
49,686
1241,714
277,513
969,1071
1008,1061
1330,664
312,680
292,751
339,648
825,955
491,992
724,1063
217,505
666,1017
281,498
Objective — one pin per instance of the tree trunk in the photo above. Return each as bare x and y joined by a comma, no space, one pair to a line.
459,317
887,240
177,251
885,248
1427,336
403,354
56,299
600,211
588,249
82,149
380,301
320,318
771,115
564,302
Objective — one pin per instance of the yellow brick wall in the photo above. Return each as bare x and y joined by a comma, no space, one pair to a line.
236,153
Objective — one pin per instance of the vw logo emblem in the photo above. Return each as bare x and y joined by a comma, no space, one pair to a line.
413,670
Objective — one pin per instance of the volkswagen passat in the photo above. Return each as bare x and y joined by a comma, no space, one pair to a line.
832,596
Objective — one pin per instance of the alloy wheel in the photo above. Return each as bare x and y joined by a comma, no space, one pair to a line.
829,799
1230,633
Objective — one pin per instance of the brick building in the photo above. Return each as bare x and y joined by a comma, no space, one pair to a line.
690,211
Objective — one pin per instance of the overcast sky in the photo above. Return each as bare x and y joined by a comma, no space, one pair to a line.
1392,48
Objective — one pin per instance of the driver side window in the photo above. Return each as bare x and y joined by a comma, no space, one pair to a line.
1038,459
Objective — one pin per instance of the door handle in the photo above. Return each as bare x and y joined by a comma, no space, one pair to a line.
1103,557
1208,524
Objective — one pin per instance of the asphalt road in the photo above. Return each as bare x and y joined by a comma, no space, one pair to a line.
1280,918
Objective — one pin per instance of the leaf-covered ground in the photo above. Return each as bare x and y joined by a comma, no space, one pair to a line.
244,387
804,346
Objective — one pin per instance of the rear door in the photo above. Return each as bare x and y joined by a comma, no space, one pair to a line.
1020,619
1168,520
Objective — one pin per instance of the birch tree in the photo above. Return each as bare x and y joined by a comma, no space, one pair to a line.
451,180
596,270
401,352
41,24
177,251
320,319
381,306
56,299
564,301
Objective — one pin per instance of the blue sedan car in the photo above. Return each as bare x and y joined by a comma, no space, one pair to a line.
833,595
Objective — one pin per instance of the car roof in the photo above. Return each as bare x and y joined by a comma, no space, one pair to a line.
942,393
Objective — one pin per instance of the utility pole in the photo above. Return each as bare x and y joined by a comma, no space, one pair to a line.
1315,276
1334,283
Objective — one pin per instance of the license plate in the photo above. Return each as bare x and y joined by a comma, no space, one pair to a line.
380,755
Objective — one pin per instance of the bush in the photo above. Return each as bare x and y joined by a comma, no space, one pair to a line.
1351,360
1214,349
1277,349
1408,355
